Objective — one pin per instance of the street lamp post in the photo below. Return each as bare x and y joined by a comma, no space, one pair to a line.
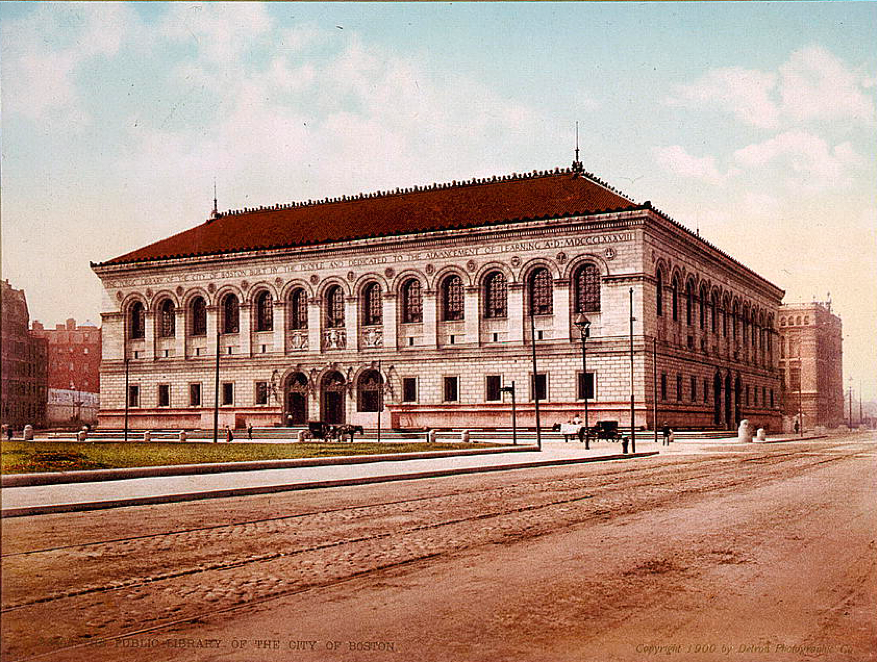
511,389
800,399
584,326
632,421
216,390
126,397
851,403
535,380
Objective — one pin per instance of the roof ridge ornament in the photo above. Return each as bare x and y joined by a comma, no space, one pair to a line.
577,168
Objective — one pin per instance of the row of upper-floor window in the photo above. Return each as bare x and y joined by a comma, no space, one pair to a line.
719,388
494,289
718,318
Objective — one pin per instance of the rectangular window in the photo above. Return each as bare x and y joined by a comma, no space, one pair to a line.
164,395
261,393
134,395
747,395
539,387
679,388
694,389
585,386
494,383
409,389
227,393
663,386
194,395
452,389
706,391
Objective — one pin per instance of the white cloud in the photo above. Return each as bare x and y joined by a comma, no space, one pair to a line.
813,85
746,93
808,161
816,85
678,161
221,37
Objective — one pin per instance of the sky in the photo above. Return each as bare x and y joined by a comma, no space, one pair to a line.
753,123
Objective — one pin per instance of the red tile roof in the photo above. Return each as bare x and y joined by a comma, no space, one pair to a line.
420,209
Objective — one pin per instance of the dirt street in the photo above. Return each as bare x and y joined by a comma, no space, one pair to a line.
765,553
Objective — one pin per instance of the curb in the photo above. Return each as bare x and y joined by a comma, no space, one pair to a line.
270,489
100,475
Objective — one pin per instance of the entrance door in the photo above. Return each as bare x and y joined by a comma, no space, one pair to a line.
296,400
332,398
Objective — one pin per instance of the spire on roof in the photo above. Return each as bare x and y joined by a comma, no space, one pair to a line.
577,165
215,213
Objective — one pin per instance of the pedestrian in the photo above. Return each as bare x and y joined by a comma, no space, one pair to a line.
250,432
228,435
8,433
797,426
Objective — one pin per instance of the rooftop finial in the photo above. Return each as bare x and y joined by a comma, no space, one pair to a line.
215,213
577,165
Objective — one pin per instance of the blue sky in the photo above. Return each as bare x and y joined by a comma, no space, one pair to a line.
754,122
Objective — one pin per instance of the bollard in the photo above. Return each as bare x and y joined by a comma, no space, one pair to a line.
624,442
302,435
27,433
464,436
82,435
430,437
183,436
744,432
147,436
761,435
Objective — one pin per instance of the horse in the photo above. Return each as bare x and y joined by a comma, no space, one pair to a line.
340,431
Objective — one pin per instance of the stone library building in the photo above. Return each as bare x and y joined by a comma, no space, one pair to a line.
425,306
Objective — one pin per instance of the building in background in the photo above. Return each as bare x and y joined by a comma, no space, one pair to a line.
74,372
811,364
425,304
24,364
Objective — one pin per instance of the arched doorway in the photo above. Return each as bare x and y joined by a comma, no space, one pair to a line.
717,400
296,399
332,398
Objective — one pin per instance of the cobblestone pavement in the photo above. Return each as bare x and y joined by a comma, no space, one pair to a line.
93,580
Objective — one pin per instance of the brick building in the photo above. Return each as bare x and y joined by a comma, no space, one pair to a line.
23,365
423,296
811,364
74,371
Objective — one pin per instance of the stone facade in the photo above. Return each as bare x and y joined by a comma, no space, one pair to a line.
325,332
811,365
24,364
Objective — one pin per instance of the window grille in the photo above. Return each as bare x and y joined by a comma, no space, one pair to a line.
264,312
372,305
587,282
199,317
412,302
299,310
496,296
138,320
167,327
541,292
452,296
230,314
335,308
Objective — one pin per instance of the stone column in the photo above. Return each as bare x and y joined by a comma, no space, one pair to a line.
279,327
180,333
351,321
149,328
429,319
516,313
391,320
560,301
473,319
212,325
245,340
314,325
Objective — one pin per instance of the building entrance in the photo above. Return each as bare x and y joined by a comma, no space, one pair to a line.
296,399
332,398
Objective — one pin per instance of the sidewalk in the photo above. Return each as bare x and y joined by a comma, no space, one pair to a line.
157,487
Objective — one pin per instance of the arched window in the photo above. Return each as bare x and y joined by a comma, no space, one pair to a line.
541,292
495,295
230,314
675,293
412,302
298,310
703,309
368,391
167,319
198,310
587,292
725,310
659,294
735,320
714,307
452,298
137,320
334,307
264,311
689,304
372,305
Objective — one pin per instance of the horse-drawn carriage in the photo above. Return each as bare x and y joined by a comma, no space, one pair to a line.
605,430
327,432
